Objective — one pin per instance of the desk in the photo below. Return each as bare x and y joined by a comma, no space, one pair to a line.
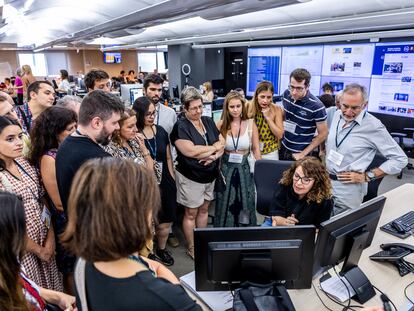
382,275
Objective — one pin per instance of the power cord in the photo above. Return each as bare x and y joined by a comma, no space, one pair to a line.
405,292
316,292
385,299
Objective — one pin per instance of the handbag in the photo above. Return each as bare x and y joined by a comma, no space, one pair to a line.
262,297
250,158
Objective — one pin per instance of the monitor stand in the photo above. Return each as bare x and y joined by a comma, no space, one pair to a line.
354,275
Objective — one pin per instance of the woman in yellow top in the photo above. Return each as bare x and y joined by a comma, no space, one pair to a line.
268,118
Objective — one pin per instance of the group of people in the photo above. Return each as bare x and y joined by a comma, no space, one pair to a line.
98,181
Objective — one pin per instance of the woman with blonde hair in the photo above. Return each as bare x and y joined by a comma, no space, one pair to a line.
268,118
27,78
235,206
208,94
303,195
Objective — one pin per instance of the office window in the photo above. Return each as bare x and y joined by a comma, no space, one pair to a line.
55,62
148,61
36,61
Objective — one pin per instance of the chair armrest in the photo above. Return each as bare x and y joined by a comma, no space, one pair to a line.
398,134
409,129
399,138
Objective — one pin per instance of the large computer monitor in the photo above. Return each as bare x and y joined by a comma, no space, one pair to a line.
125,88
226,257
134,94
343,238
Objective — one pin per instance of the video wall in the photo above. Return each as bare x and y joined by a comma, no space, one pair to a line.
385,69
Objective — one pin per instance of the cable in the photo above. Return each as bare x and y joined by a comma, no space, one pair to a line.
347,289
405,292
377,289
316,292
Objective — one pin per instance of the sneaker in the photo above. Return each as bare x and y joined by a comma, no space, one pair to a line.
164,256
172,240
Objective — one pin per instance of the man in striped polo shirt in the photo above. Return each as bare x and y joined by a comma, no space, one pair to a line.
304,115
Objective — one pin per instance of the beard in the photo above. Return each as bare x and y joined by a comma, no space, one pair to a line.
104,137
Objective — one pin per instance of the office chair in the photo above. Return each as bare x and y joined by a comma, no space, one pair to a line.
267,174
406,144
374,185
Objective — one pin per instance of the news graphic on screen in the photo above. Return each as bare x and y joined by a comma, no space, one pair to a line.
262,64
112,57
351,60
339,83
392,85
309,57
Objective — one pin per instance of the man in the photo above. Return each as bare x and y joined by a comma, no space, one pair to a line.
97,79
40,95
71,102
330,111
304,115
6,109
354,139
98,119
166,116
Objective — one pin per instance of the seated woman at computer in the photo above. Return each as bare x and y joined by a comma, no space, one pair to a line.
303,195
268,118
236,205
208,94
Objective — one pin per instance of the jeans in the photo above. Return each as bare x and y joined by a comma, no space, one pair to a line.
267,222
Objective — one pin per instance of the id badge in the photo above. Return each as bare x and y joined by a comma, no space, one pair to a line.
289,127
235,158
160,165
335,157
46,217
261,145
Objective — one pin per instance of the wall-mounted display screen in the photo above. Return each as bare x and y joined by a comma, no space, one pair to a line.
112,57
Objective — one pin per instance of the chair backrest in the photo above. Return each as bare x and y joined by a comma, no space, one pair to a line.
267,174
373,186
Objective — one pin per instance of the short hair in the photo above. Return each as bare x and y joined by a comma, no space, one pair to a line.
116,135
327,100
354,88
152,78
64,73
67,99
313,168
300,74
188,95
94,75
141,106
7,79
238,89
100,104
108,221
327,87
131,71
35,87
122,72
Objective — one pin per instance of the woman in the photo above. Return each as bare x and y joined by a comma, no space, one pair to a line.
64,85
116,277
19,87
19,177
303,196
208,94
52,126
158,144
18,292
236,205
268,118
128,144
196,139
27,78
131,79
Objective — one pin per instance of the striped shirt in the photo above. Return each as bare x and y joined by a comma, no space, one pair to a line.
303,115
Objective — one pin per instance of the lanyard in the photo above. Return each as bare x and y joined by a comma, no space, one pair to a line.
128,152
158,114
204,135
346,135
236,144
152,148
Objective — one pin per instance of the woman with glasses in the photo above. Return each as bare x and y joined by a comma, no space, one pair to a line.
198,145
268,118
303,195
158,144
236,205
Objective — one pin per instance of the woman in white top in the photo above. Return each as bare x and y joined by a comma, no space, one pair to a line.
235,206
64,85
208,94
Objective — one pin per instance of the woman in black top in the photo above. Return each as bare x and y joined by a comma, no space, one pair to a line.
303,196
158,145
198,148
116,277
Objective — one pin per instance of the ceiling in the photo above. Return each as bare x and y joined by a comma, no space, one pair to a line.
41,24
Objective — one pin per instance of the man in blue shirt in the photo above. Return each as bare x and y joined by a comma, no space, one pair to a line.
355,137
305,118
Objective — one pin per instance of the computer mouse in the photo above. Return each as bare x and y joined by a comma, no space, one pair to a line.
398,227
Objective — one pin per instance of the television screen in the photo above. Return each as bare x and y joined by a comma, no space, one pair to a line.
112,58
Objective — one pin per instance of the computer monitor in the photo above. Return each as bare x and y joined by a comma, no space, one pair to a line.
217,115
176,92
134,94
125,94
226,257
343,238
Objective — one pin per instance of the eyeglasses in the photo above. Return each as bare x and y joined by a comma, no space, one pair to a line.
304,180
151,114
353,108
297,88
194,109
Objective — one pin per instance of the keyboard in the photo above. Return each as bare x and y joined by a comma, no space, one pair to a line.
405,221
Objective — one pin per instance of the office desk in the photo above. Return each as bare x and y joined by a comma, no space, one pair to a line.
382,275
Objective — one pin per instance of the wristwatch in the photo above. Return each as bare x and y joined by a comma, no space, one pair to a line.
370,175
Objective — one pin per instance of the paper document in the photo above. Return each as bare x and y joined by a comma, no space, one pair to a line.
217,301
336,288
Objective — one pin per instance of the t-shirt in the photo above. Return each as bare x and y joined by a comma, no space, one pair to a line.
18,82
286,202
190,167
142,291
72,153
303,115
